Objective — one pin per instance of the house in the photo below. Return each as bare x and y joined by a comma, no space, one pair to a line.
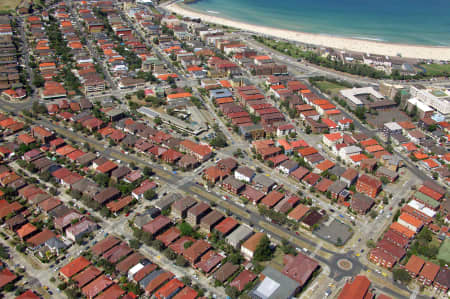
368,185
107,195
361,203
243,279
238,236
196,251
214,174
414,265
392,128
310,220
74,267
146,185
336,189
77,231
180,207
298,212
201,152
157,225
272,198
245,174
410,222
380,257
332,139
225,271
349,176
248,247
275,285
299,268
196,213
442,281
428,273
358,288
233,185
226,226
383,172
169,289
288,166
263,183
97,286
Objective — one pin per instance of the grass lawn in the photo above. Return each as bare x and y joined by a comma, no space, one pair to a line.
329,87
436,69
9,4
444,251
277,260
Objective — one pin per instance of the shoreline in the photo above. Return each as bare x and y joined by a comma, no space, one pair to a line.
341,43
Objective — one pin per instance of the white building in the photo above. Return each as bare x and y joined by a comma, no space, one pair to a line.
438,99
244,174
352,95
346,152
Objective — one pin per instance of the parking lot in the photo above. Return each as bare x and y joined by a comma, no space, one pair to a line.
335,231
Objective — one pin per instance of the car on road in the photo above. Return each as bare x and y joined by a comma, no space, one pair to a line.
331,210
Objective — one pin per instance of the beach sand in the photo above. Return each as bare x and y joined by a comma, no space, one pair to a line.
348,44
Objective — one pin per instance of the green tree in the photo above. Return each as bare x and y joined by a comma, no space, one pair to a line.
401,275
135,244
263,251
168,253
102,179
185,229
181,261
147,171
233,292
150,194
157,120
140,94
158,245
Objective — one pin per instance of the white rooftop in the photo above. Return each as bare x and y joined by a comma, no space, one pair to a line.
353,92
267,288
422,208
393,126
420,105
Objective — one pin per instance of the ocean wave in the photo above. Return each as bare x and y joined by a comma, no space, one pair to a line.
214,12
375,39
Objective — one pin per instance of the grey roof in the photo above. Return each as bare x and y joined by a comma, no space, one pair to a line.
120,172
86,158
86,187
233,183
141,220
337,187
55,243
289,164
362,201
220,93
240,234
114,112
263,181
167,201
383,171
275,286
146,280
337,170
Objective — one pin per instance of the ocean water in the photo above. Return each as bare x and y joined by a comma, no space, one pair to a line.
424,22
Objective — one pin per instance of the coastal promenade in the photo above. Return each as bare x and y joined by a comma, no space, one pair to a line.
356,45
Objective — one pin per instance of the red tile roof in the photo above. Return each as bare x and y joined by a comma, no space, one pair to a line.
226,225
357,289
243,279
414,264
98,285
74,267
